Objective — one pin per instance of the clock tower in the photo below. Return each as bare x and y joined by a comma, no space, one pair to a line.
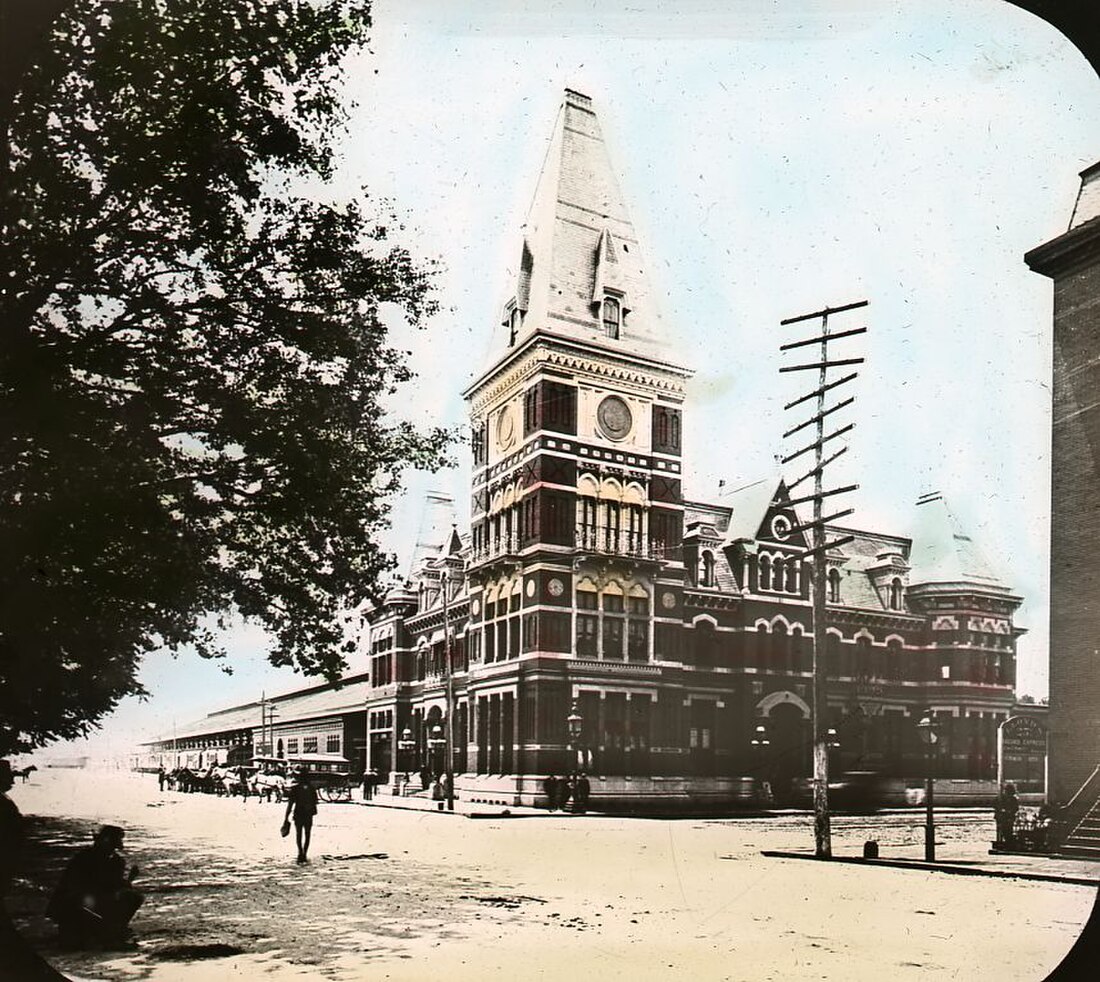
576,509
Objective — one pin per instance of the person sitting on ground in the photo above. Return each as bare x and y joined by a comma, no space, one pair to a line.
95,899
301,799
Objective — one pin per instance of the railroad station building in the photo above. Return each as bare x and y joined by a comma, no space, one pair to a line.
678,631
597,616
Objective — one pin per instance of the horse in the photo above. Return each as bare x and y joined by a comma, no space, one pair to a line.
24,772
268,786
234,780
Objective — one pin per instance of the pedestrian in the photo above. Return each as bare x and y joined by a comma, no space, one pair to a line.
370,782
581,790
565,791
94,901
1004,814
161,776
550,789
301,799
425,778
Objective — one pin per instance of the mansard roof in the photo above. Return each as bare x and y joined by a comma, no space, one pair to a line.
579,244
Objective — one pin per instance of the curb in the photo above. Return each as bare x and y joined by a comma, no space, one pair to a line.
934,867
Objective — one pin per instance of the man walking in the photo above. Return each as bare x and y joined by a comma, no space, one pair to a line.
301,799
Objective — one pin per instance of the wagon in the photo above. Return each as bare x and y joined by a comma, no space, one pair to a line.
330,774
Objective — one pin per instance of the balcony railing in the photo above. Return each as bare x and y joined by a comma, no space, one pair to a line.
615,542
586,538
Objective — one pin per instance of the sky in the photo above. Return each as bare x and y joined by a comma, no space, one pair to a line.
776,159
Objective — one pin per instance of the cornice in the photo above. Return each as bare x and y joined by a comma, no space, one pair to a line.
629,371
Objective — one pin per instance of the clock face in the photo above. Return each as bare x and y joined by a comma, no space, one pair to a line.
475,607
556,587
614,418
530,588
781,526
506,428
668,600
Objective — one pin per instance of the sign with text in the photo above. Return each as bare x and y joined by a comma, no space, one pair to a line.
1022,751
1023,736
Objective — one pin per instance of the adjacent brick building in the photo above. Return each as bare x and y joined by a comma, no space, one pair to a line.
1072,261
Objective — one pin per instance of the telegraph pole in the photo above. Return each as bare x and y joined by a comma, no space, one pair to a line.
820,548
448,765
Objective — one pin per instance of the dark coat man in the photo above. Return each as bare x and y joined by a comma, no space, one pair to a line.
94,900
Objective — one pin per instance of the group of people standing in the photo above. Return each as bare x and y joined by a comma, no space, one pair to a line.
560,790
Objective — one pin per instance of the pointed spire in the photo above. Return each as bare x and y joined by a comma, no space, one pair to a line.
579,249
942,552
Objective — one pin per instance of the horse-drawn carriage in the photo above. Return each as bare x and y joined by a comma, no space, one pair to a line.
329,774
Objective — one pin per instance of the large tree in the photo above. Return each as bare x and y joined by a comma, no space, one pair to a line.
194,375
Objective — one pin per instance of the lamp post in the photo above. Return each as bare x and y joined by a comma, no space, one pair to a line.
406,745
759,744
436,742
928,729
575,722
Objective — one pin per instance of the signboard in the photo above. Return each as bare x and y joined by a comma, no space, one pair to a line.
1021,753
1023,736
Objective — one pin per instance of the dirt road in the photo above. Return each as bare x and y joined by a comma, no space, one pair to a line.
420,896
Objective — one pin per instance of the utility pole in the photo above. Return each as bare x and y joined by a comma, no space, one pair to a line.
448,764
820,548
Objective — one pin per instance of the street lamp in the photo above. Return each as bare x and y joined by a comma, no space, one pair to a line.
759,744
436,740
406,745
928,728
575,722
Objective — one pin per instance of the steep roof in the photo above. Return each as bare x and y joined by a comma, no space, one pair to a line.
943,552
578,243
1087,206
437,529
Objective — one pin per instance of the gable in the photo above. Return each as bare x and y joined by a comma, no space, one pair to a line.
780,509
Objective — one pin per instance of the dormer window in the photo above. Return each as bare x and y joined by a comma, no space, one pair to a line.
512,319
895,594
612,316
707,571
834,586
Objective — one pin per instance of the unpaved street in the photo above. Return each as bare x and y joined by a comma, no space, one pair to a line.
415,896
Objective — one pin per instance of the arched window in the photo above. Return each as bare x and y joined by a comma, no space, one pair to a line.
777,574
792,570
834,586
765,573
778,660
801,660
707,571
895,594
612,315
894,657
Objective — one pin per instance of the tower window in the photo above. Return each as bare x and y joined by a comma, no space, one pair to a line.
834,586
708,569
895,594
612,316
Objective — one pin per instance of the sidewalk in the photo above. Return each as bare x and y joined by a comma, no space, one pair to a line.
973,859
422,801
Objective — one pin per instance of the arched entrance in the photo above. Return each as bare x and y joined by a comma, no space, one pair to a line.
790,752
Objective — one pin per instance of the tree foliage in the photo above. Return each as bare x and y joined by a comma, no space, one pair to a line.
194,373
